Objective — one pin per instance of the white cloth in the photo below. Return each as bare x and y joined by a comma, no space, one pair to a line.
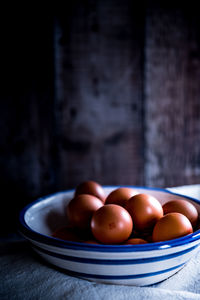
24,276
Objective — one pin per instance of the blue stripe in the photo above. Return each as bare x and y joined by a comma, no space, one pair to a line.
119,277
114,261
28,232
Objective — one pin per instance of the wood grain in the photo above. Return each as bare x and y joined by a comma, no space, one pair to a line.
172,97
98,107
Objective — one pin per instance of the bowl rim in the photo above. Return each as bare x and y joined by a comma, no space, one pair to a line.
31,234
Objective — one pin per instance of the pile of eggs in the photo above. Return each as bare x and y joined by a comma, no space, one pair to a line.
125,216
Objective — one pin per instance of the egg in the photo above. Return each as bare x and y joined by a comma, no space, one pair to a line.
135,241
145,211
91,188
171,226
66,233
92,242
184,207
80,210
111,224
120,196
144,235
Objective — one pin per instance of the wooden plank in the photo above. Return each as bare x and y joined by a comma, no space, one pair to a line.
172,96
99,112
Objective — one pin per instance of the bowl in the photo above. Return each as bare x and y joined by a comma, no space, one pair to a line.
139,265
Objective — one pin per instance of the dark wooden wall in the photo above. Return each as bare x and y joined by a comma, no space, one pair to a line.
100,90
172,96
99,100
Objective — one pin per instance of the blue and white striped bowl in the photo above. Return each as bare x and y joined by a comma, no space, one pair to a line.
139,265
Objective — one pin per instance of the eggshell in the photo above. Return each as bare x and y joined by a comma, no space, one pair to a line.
91,188
111,224
67,234
171,226
135,241
144,235
120,196
184,207
92,242
80,210
145,211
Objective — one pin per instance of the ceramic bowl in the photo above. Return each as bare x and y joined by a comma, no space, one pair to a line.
138,265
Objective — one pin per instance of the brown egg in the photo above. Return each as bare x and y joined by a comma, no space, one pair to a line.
144,235
135,241
145,211
120,196
198,225
148,238
91,188
92,242
111,224
67,234
184,207
80,210
171,226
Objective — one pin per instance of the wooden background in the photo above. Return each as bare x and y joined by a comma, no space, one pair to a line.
101,90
